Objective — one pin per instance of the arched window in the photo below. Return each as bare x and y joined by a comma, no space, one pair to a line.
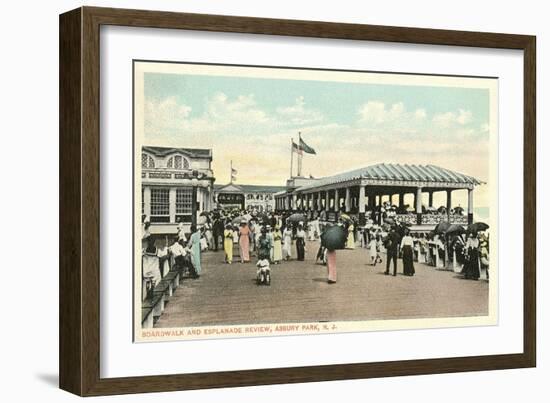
178,162
147,161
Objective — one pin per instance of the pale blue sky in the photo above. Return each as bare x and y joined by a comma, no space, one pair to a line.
338,102
250,121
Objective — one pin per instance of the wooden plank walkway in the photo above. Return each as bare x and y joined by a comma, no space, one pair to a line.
228,294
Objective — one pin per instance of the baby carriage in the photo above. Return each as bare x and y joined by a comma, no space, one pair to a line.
263,274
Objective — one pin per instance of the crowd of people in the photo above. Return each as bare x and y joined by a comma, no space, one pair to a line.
274,238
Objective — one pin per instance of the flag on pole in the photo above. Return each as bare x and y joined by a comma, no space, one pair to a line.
296,148
233,171
305,148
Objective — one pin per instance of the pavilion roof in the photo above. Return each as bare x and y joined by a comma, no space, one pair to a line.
250,188
398,172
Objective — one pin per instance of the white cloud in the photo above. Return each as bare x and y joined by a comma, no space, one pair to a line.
298,114
165,115
375,112
448,119
394,118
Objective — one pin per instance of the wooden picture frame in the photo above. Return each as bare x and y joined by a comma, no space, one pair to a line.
79,346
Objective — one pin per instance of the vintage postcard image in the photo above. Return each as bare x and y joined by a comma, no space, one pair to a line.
272,201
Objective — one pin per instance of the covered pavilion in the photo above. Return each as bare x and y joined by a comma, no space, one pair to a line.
362,190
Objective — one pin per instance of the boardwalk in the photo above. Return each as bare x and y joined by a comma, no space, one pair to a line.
228,294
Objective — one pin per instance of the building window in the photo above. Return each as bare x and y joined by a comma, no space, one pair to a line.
160,205
147,161
184,201
178,162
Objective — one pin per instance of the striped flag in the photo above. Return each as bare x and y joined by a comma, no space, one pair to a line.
296,148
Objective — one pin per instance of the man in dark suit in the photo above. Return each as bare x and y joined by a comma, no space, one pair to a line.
392,247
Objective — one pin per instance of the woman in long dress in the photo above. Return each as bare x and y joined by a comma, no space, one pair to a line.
471,268
164,259
373,251
151,262
195,248
407,244
208,235
277,245
244,242
252,230
228,243
350,244
300,242
423,251
287,243
331,266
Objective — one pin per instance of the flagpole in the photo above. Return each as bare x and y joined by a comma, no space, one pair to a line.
300,154
231,171
291,155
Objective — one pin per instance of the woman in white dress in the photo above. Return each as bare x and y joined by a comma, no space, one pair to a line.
208,235
164,259
151,262
287,243
373,251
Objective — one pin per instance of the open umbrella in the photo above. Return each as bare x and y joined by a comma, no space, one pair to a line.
442,227
334,238
455,229
478,226
296,217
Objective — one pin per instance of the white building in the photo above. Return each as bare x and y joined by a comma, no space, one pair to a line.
171,180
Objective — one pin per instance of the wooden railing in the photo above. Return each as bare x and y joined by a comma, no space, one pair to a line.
431,219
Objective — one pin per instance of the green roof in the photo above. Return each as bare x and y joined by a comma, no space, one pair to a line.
398,172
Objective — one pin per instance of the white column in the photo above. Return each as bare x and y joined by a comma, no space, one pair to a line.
294,202
336,200
361,199
147,201
418,200
172,201
348,200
